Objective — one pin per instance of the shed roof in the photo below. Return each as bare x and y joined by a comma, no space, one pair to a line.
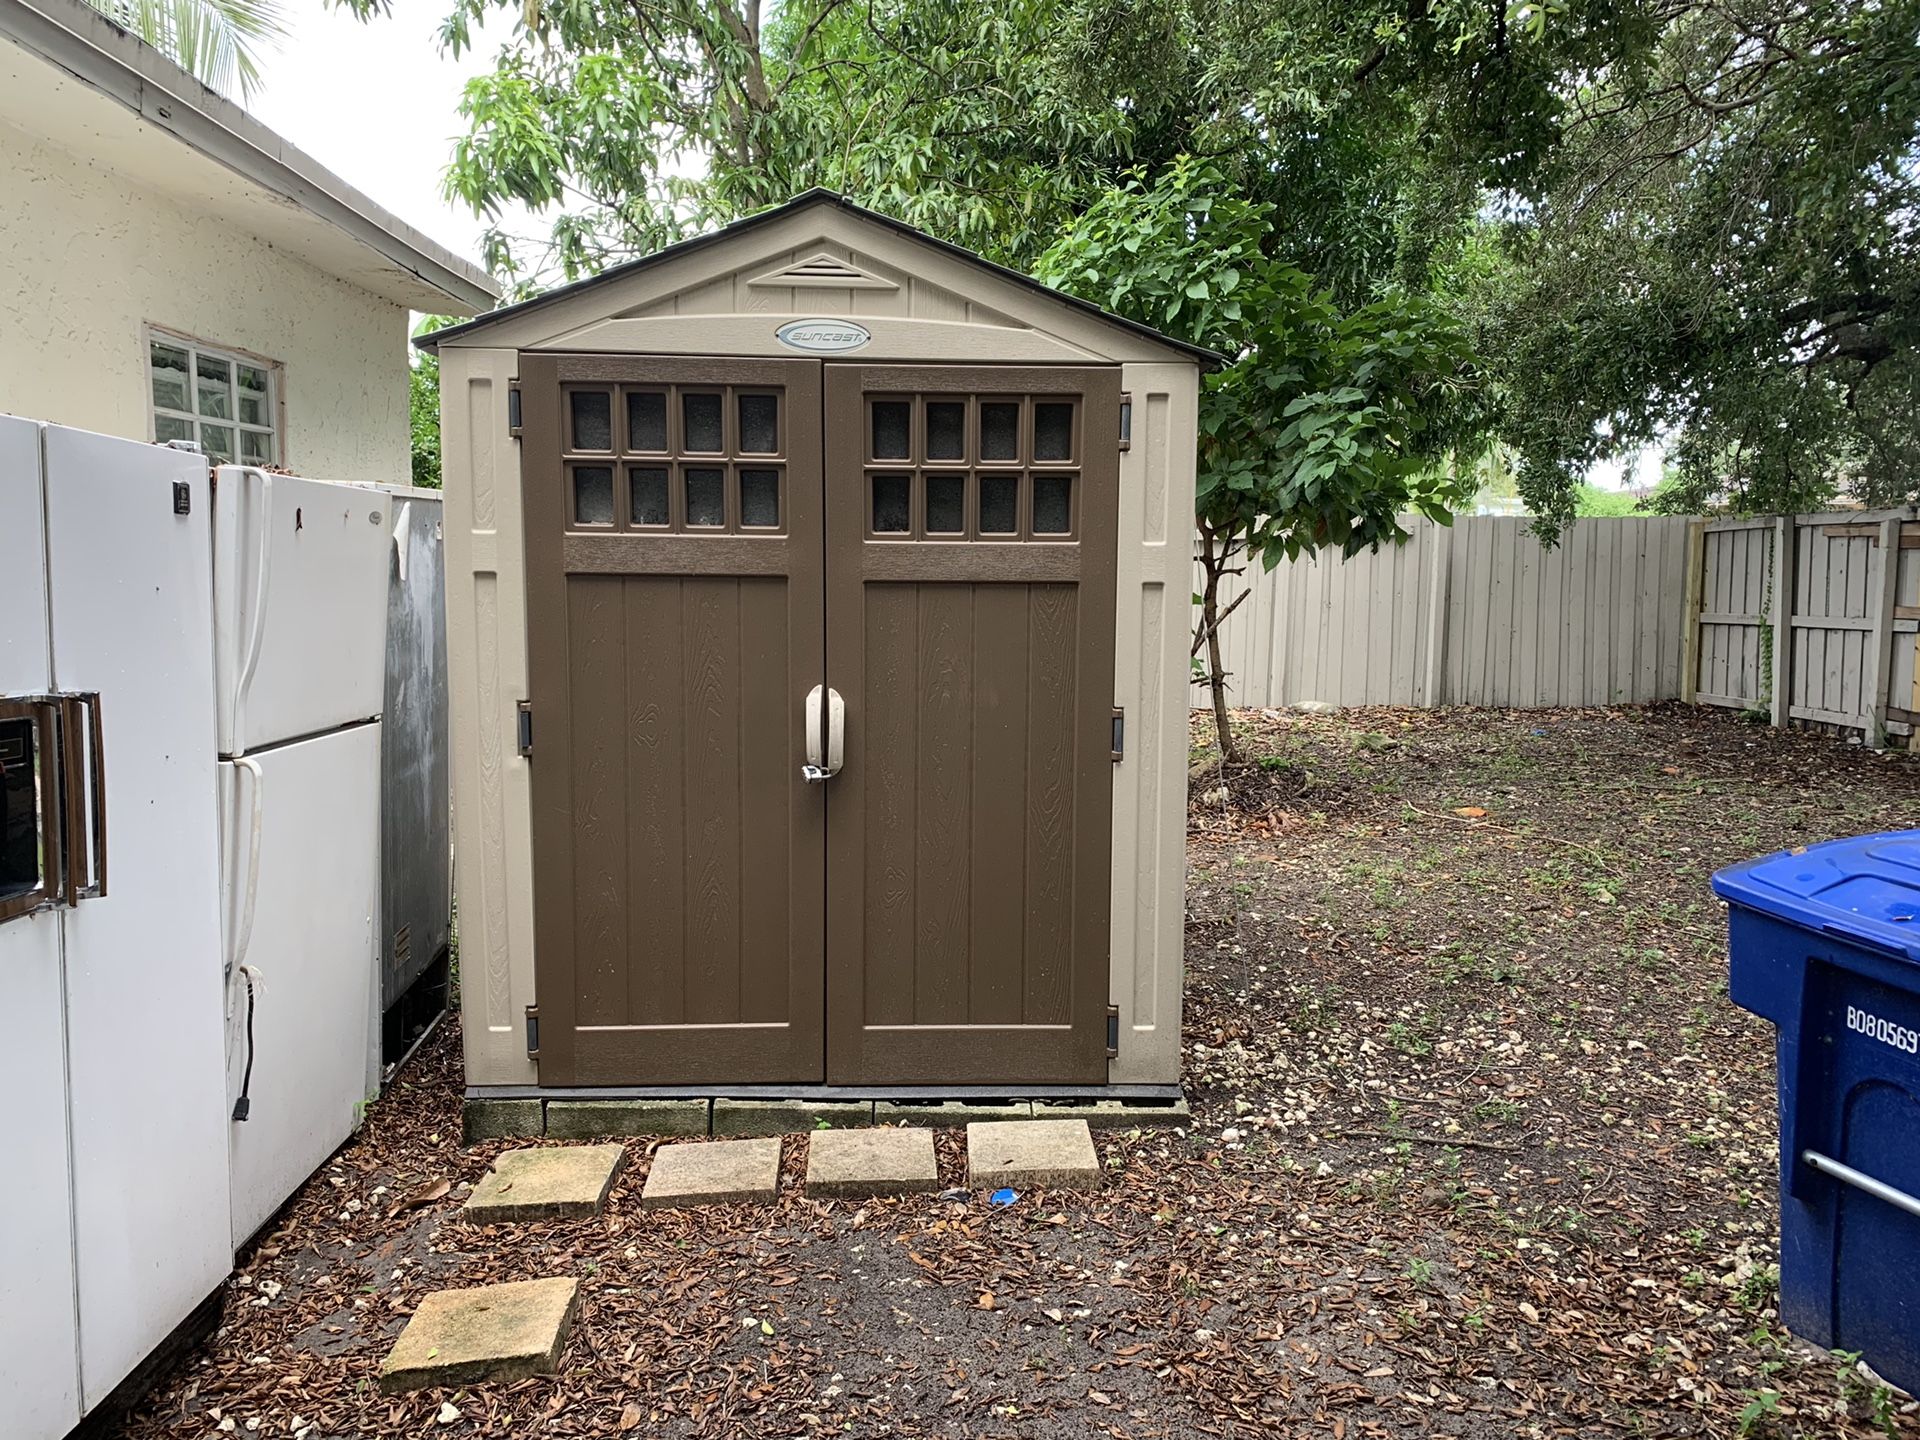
473,330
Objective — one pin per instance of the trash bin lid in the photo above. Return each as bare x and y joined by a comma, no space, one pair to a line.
1866,890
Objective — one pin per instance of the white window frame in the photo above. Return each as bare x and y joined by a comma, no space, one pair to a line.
274,430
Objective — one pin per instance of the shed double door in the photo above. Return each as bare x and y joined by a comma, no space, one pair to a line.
709,541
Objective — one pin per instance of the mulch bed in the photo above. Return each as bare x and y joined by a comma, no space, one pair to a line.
1480,1149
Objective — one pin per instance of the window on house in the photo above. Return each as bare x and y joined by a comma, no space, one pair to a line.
225,403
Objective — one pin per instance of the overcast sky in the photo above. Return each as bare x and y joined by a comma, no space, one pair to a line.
376,103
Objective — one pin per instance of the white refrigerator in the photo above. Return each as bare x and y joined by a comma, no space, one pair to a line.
114,1207
300,616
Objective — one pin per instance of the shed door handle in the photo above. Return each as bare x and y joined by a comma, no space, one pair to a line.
1860,1180
826,722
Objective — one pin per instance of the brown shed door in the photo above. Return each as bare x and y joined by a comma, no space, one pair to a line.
935,913
674,615
971,521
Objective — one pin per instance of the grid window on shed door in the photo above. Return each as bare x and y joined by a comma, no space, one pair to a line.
676,459
972,467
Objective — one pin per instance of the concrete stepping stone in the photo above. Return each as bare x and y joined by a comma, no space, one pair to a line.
552,1182
491,1332
871,1162
720,1172
1040,1154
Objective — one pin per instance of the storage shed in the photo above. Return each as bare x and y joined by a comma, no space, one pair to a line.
818,600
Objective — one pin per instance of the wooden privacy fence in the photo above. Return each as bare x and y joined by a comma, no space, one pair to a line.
1849,614
1476,613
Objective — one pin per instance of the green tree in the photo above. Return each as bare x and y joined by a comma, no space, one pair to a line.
423,405
218,42
1325,425
1723,244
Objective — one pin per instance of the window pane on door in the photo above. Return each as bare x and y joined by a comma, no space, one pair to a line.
592,495
1052,431
1000,430
706,495
892,510
999,504
946,504
700,414
647,420
759,424
592,420
215,388
760,498
649,486
946,430
892,421
1052,504
169,365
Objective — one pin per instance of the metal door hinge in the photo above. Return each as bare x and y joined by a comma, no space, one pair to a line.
524,737
533,1032
1113,1031
513,409
1119,734
1126,420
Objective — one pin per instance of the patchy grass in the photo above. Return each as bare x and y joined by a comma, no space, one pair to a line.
1476,980
1481,1149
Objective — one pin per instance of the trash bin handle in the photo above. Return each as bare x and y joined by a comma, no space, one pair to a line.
1847,1175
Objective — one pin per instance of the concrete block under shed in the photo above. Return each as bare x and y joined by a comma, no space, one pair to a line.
484,1119
1115,1114
787,1117
938,1113
597,1119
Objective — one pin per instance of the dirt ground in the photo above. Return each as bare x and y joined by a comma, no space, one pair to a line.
1480,1148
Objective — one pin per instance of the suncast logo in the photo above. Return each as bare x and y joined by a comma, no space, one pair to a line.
822,337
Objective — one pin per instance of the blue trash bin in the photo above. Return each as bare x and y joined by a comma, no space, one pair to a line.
1825,943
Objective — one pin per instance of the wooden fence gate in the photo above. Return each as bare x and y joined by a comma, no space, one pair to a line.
1842,588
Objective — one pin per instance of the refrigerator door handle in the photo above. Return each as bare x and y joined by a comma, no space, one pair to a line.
262,564
97,756
73,796
243,937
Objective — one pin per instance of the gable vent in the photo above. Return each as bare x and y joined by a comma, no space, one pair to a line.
826,271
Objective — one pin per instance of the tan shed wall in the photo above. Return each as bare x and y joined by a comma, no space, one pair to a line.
487,678
1150,679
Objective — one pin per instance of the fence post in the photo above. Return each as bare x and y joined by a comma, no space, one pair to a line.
1780,618
1878,679
1439,584
1690,634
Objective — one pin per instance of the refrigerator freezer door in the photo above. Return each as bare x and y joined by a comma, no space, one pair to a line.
311,956
132,619
300,605
39,1342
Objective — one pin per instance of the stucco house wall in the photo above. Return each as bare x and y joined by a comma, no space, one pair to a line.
93,258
